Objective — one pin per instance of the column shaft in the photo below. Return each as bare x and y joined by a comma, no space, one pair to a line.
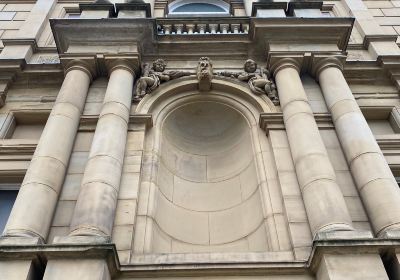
35,204
377,187
324,202
95,207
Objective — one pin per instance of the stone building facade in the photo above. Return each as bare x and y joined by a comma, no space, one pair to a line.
214,139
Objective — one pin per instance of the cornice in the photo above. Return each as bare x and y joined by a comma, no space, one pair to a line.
378,38
9,69
333,31
125,35
21,42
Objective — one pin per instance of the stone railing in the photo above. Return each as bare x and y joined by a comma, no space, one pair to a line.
184,26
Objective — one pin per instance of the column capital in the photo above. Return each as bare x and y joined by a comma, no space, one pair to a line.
85,64
130,63
321,62
277,63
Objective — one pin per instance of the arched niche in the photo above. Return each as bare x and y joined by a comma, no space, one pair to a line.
203,173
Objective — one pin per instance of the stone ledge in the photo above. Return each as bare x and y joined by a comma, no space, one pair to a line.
345,246
248,265
73,240
391,234
19,241
344,235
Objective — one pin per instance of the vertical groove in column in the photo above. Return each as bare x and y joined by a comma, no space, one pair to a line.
377,187
36,201
323,199
95,208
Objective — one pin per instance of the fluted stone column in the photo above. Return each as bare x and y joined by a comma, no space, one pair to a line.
376,185
36,201
95,207
324,202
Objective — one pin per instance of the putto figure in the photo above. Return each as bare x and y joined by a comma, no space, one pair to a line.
153,77
259,80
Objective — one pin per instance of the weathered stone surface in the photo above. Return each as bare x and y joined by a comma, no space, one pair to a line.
189,185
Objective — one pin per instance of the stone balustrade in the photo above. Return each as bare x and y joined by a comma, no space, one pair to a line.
189,27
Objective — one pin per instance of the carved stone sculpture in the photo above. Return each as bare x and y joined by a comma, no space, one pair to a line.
204,73
259,81
152,77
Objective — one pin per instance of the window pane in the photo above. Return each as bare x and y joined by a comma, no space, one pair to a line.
199,8
7,199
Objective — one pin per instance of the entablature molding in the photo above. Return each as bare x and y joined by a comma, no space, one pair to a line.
145,35
100,64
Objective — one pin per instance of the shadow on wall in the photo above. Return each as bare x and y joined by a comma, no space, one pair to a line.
208,197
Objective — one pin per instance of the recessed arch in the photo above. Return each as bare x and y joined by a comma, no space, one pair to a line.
205,174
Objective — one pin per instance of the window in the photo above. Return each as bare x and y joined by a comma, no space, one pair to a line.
24,125
383,122
199,8
8,194
72,15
